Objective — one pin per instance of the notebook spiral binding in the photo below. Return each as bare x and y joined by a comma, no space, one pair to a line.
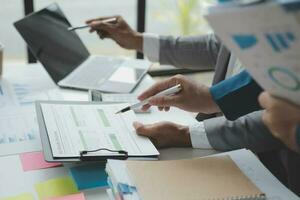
251,197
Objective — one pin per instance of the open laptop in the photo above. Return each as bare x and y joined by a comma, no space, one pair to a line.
68,61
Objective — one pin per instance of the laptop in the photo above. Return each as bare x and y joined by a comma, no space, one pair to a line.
67,59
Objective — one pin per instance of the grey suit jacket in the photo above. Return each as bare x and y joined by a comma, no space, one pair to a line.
247,131
207,51
195,52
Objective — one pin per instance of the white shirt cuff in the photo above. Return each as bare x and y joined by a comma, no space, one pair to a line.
151,46
198,136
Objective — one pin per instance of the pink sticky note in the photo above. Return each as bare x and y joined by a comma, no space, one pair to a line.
35,160
79,196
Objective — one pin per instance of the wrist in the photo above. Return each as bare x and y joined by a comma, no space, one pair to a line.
211,106
138,42
185,133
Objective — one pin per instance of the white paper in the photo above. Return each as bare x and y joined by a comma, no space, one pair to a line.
18,125
73,128
260,175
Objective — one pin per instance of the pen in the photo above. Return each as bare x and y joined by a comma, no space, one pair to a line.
173,90
110,20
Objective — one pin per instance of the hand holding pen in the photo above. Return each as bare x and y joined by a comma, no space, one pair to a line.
119,31
168,92
108,20
193,96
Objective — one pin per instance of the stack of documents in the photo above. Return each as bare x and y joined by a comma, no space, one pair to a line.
233,175
266,38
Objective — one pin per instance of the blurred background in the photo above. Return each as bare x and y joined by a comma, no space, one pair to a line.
167,17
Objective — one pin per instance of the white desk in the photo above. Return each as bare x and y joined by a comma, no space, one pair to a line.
14,181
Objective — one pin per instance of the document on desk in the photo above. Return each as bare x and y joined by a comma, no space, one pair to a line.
18,124
76,127
265,38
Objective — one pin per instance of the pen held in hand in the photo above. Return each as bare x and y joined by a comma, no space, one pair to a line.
170,91
110,20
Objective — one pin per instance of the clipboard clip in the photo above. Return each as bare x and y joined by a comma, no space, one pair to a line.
121,154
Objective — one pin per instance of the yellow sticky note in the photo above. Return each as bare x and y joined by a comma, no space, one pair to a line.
25,196
56,187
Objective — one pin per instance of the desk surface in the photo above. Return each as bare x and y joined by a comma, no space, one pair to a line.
16,181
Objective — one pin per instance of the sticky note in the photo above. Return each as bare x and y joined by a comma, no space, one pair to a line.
24,196
79,196
35,160
89,176
56,188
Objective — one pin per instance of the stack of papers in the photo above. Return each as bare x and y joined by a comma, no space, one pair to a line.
125,184
266,39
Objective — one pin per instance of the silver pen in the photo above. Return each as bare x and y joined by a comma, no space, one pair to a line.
170,91
110,20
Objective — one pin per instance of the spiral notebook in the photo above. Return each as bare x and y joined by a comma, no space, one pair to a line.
205,178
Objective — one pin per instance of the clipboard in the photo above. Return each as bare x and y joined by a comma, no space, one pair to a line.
47,149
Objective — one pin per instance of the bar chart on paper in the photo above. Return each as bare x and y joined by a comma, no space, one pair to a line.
280,41
18,124
27,94
72,128
23,92
9,134
18,132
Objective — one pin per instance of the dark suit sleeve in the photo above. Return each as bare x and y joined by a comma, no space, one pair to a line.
298,136
237,96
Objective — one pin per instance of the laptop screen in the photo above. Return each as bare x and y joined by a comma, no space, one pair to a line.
46,33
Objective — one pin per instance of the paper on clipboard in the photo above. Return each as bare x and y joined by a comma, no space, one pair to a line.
76,127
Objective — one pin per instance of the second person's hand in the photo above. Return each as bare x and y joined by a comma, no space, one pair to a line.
119,31
193,97
165,134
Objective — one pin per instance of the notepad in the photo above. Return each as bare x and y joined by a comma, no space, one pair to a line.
56,188
79,196
24,196
35,160
89,176
204,178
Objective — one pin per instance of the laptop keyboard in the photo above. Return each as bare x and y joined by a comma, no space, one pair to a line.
95,71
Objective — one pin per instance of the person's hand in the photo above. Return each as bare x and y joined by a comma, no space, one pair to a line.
118,31
282,118
165,134
193,97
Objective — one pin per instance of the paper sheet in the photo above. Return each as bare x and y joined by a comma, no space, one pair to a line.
266,39
89,176
18,125
56,188
73,128
34,161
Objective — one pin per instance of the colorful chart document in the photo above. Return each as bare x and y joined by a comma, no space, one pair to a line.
75,127
18,125
266,39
